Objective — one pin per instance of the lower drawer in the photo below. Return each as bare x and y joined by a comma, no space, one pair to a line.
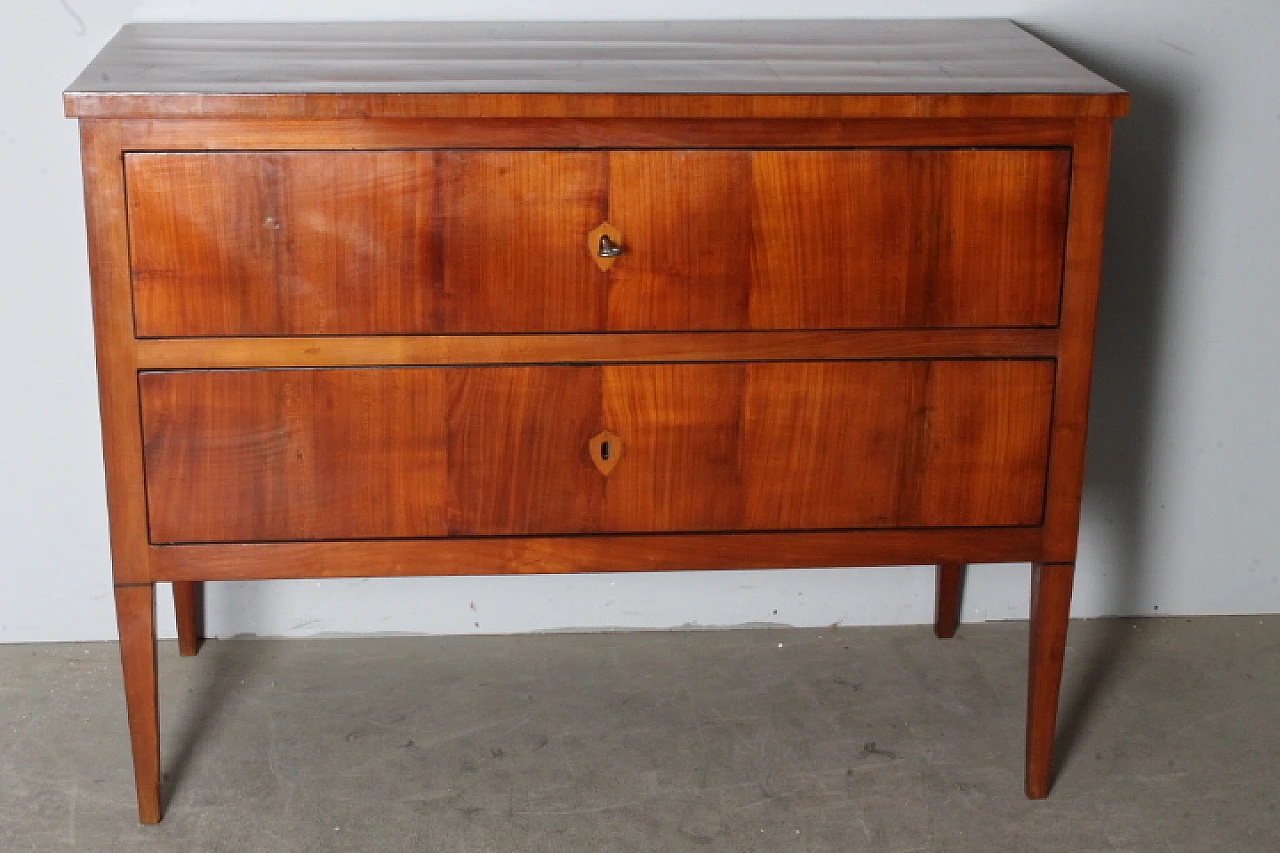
279,455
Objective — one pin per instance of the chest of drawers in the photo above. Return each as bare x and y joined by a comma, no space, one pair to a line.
427,299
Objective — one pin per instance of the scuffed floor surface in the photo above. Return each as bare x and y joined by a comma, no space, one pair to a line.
881,739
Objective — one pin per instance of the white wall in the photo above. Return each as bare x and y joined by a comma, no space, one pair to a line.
1180,508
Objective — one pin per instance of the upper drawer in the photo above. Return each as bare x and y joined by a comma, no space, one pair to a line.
404,242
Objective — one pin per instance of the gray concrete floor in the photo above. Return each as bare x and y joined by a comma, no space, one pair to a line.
880,739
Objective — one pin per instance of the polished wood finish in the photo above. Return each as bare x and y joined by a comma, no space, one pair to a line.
1050,608
894,444
521,555
188,134
260,455
136,618
692,69
950,591
179,353
293,107
309,243
518,458
399,242
355,305
188,607
254,456
1083,277
101,159
908,238
687,217
514,224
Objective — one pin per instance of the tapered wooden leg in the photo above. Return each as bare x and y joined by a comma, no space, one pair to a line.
946,614
188,604
136,615
1050,606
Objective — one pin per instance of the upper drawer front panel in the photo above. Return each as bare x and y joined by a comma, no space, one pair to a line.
262,455
439,242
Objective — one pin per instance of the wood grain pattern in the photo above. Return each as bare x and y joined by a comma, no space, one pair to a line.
893,238
518,455
294,454
682,424
911,444
102,161
851,325
187,134
308,243
985,457
1050,608
513,232
640,68
604,553
837,437
366,453
170,353
136,617
687,217
1082,280
294,107
253,243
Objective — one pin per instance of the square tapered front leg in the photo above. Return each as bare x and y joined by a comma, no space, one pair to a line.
1050,608
136,615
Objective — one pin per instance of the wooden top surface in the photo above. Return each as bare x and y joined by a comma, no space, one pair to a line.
388,69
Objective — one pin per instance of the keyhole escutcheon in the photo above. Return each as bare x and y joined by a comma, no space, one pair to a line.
604,242
605,451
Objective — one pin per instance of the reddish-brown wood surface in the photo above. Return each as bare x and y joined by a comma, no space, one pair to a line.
295,454
398,242
522,555
686,225
517,453
364,453
1050,608
170,353
190,134
513,241
101,159
188,608
908,238
294,107
949,592
1082,280
280,244
691,456
136,618
857,294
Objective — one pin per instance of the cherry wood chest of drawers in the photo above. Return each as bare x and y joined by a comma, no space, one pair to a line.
427,299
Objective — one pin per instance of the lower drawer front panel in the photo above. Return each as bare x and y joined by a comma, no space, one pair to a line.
280,455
